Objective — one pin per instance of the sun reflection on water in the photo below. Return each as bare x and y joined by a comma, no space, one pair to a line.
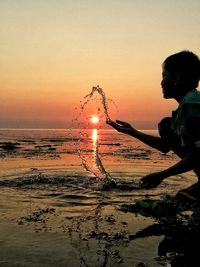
95,148
94,136
97,165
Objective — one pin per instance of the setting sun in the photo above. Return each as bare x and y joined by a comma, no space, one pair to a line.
94,119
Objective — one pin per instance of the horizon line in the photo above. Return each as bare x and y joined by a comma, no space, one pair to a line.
13,128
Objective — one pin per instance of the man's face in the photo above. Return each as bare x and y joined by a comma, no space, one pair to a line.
168,84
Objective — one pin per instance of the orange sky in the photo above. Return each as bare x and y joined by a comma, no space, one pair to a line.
53,52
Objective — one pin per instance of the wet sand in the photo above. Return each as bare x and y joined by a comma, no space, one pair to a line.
53,213
37,234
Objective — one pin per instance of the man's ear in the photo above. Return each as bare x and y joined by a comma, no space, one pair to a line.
176,79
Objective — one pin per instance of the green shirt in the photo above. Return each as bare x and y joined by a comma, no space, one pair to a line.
189,106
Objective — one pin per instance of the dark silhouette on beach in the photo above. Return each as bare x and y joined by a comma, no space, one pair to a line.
180,245
180,132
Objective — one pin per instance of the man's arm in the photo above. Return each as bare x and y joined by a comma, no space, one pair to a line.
188,163
152,141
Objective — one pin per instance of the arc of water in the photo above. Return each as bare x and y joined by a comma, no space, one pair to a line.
103,100
101,173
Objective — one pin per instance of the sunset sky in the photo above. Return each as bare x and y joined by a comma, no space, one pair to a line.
54,51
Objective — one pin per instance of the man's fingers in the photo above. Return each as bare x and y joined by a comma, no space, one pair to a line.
109,122
113,124
150,184
117,123
144,180
144,185
120,122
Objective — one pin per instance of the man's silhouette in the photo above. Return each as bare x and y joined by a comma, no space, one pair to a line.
180,132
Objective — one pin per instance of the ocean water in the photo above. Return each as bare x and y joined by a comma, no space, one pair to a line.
70,214
48,163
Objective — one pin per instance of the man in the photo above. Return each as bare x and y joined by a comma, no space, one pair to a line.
181,132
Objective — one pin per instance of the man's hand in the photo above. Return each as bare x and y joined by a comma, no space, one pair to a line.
151,180
121,126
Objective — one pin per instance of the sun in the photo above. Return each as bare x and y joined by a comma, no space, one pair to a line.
94,119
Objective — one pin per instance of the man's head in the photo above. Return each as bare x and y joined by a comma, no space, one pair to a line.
181,74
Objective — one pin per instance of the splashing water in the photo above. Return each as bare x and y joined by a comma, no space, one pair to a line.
103,100
95,166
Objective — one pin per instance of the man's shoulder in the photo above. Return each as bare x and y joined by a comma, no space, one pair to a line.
193,97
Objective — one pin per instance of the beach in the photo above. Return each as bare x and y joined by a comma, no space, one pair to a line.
56,213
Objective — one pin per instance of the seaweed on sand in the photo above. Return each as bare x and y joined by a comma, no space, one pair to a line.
154,208
165,208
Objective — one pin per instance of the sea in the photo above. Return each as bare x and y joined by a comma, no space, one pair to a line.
71,183
62,165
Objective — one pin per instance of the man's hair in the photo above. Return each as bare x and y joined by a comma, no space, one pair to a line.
186,64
